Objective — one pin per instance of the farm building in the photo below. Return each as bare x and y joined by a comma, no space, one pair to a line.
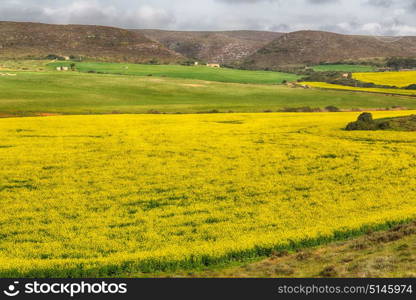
214,65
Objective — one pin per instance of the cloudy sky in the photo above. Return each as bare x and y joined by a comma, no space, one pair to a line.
376,17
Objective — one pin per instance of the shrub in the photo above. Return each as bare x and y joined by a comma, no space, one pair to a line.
188,63
332,108
411,87
360,125
365,122
212,111
384,125
366,117
398,63
54,56
154,112
301,109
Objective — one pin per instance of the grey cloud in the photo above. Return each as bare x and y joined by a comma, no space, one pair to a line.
322,1
410,4
20,13
380,3
86,12
344,16
246,1
280,28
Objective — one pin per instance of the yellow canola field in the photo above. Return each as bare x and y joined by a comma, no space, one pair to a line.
325,85
398,79
117,194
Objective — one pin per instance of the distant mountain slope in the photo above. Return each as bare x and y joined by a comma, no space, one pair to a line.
214,47
23,40
314,47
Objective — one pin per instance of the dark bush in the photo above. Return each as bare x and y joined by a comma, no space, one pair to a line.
301,109
332,108
384,125
366,117
398,63
54,56
360,125
365,122
411,87
154,112
213,111
188,63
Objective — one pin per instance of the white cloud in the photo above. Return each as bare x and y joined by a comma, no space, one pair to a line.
149,16
345,16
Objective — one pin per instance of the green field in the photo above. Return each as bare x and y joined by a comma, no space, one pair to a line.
343,68
24,65
184,72
31,93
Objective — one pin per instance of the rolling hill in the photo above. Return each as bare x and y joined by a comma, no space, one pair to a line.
35,40
247,49
223,47
315,47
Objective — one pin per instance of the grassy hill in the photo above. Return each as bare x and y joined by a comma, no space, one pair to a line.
34,93
185,72
315,47
34,40
247,49
215,47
